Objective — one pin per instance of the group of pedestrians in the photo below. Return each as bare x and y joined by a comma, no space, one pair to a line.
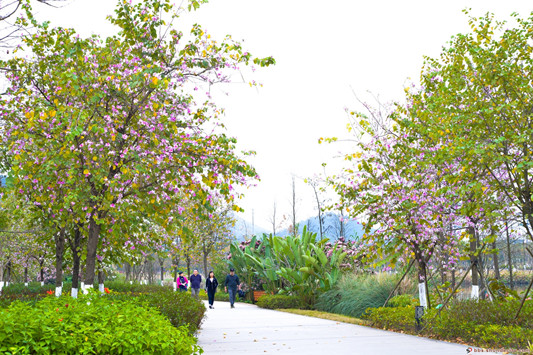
231,285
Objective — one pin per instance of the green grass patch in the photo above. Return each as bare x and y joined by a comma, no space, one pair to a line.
325,315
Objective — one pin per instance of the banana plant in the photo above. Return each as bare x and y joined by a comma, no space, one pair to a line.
294,265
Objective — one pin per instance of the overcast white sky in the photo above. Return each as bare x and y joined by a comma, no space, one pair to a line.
323,49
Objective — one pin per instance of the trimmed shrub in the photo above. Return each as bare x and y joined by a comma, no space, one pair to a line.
120,286
278,302
353,294
32,289
481,323
90,324
179,307
402,301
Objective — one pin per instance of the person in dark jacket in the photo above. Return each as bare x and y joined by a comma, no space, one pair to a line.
211,285
196,280
231,285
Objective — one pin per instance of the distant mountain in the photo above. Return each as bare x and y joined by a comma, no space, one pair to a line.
243,228
331,228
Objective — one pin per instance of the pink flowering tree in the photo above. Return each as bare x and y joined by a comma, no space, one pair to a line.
405,201
101,129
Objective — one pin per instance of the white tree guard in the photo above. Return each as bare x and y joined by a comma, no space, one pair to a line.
475,292
101,288
59,290
74,293
422,295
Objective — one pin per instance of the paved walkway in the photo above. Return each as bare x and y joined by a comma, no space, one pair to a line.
248,329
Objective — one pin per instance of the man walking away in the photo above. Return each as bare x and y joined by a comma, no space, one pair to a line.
231,285
196,280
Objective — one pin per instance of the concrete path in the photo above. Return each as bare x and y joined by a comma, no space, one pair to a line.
248,329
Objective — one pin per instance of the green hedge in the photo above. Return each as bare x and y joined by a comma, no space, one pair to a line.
179,307
35,292
90,324
279,302
481,323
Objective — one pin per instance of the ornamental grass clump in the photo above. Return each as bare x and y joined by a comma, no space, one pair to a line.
353,294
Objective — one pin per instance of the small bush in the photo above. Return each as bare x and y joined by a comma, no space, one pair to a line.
402,301
278,302
90,324
179,307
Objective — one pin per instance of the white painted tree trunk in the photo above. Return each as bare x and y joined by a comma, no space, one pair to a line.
26,284
1,286
131,282
101,288
59,290
162,282
74,293
422,296
84,288
475,292
174,286
42,283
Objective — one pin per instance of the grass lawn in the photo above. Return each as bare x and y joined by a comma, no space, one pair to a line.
326,315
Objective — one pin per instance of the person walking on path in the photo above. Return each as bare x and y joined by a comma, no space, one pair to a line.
211,285
231,285
182,282
196,280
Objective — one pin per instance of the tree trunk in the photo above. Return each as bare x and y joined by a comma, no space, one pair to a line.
422,283
60,251
26,276
319,211
474,261
342,231
453,278
2,282
495,257
188,265
161,262
75,248
101,278
92,246
205,263
9,269
127,269
509,256
295,228
41,270
175,262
